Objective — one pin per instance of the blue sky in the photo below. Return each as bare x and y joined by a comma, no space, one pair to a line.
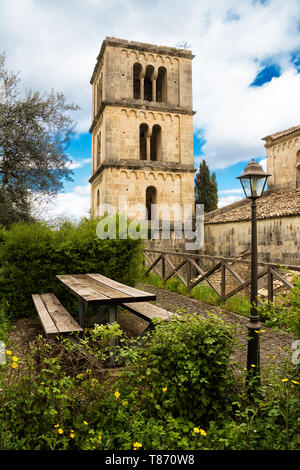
246,71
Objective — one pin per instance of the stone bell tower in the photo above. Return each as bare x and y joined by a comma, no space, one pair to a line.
142,129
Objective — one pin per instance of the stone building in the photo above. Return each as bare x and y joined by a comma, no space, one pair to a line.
228,229
142,128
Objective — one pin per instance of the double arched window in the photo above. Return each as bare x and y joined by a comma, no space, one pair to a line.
298,169
149,84
150,142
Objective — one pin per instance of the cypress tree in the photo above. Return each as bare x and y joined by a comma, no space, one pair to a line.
206,191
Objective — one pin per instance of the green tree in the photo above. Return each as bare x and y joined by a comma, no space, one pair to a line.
35,131
206,191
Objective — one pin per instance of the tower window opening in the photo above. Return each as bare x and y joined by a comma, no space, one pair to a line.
148,96
98,150
151,198
155,143
298,169
161,85
144,130
137,68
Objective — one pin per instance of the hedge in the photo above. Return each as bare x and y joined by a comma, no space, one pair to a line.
31,255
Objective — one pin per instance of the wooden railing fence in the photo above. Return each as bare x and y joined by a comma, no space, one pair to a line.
165,267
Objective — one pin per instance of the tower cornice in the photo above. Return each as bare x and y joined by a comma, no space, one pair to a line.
140,105
143,165
139,46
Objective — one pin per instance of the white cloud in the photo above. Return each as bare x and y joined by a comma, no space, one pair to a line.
231,191
74,164
72,205
224,201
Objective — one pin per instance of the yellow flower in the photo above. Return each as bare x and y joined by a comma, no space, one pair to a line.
15,359
8,352
60,431
136,445
252,365
295,382
117,394
14,365
72,434
284,380
86,423
199,431
164,389
99,437
125,402
56,425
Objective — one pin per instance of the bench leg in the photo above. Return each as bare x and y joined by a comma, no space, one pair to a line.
82,314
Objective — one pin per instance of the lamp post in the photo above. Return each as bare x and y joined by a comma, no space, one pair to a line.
253,180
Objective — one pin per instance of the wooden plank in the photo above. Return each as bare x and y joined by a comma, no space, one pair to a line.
46,321
81,291
205,276
175,271
147,311
281,279
153,264
63,321
102,288
245,284
154,267
202,273
135,294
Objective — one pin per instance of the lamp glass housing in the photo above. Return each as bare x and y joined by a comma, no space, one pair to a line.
253,180
253,186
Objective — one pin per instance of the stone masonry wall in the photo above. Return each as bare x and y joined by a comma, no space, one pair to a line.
278,239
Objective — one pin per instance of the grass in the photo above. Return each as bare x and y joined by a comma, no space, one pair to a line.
237,303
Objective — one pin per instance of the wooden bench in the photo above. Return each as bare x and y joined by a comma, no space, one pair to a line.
55,319
148,312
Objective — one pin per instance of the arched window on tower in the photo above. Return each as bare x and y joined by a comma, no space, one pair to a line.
155,143
144,131
137,68
98,204
298,169
98,150
148,96
161,85
151,198
99,92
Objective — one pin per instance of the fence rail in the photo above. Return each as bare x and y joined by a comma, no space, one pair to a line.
165,267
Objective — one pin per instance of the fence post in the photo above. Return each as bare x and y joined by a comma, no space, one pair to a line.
163,268
223,279
188,273
270,286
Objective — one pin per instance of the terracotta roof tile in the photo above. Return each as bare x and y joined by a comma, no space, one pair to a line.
283,133
273,204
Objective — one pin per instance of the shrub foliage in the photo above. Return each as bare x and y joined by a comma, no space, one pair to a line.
31,255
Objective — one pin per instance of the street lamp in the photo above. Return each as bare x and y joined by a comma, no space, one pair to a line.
253,180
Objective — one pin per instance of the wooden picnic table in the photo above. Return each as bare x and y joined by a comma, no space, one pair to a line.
95,289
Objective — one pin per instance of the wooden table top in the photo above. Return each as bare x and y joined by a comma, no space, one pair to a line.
95,288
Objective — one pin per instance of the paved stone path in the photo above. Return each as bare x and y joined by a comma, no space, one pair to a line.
274,345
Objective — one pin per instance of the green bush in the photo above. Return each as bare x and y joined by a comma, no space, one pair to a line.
284,313
31,255
54,399
184,368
